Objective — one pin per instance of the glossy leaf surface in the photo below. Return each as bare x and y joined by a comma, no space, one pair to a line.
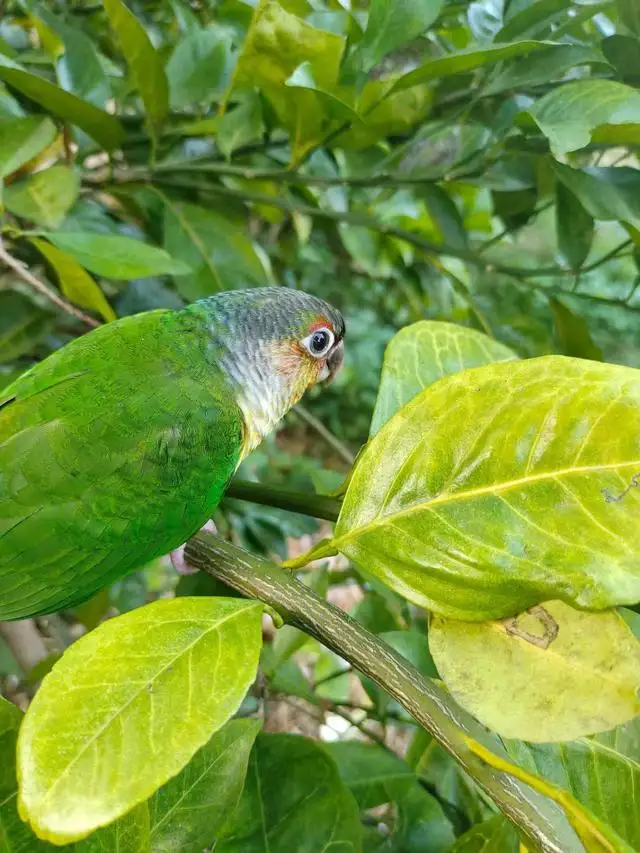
172,672
504,486
574,673
420,354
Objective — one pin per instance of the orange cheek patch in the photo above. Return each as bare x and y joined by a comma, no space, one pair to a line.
292,361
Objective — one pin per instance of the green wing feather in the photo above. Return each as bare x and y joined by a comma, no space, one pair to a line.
113,451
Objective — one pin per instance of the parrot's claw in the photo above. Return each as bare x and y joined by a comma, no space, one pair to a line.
177,556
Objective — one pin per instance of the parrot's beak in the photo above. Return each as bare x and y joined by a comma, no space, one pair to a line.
334,362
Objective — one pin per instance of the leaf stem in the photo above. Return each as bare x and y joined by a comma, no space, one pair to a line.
333,441
540,821
316,506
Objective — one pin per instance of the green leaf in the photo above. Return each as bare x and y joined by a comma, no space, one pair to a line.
373,775
22,325
623,52
606,192
422,826
144,62
446,216
424,352
391,24
214,245
335,106
239,126
76,284
495,835
543,66
94,740
276,44
532,18
467,60
129,834
116,257
574,227
15,836
45,197
79,69
574,673
629,15
572,332
22,139
309,809
199,68
99,125
602,773
463,513
190,810
568,115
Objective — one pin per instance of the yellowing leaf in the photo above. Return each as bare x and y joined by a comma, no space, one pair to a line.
550,675
45,197
420,354
128,705
504,486
75,282
144,62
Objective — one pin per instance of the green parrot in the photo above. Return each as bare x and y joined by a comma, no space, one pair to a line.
115,449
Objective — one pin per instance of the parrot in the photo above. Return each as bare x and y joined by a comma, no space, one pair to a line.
115,449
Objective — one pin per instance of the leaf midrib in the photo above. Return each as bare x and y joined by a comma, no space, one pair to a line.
138,693
470,494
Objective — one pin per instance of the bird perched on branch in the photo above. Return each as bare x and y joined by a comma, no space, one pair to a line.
116,448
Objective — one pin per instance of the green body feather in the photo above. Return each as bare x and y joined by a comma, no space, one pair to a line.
112,452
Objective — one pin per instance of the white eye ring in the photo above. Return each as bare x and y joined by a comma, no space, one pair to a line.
319,342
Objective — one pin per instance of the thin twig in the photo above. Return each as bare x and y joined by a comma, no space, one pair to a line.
333,441
22,271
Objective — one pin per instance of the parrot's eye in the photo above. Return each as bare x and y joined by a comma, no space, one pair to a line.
319,342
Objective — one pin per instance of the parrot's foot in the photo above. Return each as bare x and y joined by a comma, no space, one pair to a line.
177,556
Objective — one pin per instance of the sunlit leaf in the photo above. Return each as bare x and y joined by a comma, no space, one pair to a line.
99,125
45,197
190,810
573,673
23,139
424,352
144,62
307,811
501,487
568,115
116,257
75,282
94,741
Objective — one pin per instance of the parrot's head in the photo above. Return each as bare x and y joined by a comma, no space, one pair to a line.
273,344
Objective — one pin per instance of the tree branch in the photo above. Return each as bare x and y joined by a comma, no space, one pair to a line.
316,506
27,276
540,821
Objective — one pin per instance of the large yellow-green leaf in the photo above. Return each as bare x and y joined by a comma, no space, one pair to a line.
568,115
99,125
550,675
128,705
504,486
277,43
603,773
22,139
44,198
420,354
144,62
293,800
189,811
75,282
117,257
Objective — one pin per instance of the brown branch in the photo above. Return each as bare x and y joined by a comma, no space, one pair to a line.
23,272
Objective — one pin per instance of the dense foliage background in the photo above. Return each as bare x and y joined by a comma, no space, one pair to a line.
473,163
